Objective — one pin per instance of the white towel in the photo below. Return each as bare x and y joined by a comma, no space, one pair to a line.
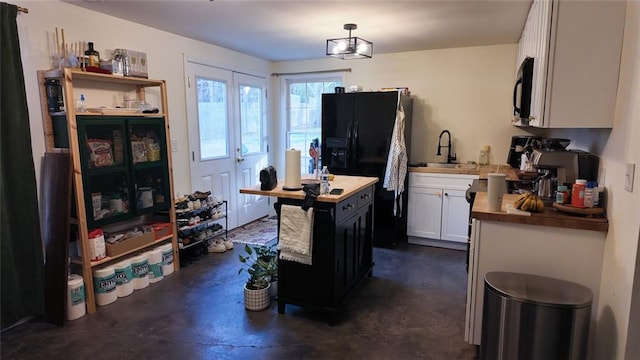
295,240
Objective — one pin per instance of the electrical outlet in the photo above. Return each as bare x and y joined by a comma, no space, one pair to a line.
628,177
174,145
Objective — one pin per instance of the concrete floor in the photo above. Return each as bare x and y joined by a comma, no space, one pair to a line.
412,308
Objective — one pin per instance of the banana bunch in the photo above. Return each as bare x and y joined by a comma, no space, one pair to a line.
529,202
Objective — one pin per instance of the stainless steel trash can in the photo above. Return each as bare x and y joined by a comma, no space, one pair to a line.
534,317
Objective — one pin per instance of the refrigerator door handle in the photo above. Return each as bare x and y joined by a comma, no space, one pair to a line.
349,143
354,140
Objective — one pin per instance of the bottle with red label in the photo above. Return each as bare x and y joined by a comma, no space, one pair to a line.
577,193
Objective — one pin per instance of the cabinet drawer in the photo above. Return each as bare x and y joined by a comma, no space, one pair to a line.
347,207
365,197
446,181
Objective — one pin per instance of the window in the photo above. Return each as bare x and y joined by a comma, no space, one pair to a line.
304,113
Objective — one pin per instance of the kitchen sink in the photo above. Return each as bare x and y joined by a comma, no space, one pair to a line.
443,165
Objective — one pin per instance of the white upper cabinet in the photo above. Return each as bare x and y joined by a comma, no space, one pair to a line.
577,47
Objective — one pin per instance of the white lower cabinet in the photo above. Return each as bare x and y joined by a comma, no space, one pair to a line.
438,212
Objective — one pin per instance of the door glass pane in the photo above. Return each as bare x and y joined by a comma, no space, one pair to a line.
212,118
251,119
305,116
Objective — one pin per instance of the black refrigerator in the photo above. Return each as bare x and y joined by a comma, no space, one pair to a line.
356,136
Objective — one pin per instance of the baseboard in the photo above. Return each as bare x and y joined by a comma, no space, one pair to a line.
454,245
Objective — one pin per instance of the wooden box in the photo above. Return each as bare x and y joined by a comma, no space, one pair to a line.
122,247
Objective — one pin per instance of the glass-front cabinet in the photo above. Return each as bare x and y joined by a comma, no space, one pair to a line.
124,167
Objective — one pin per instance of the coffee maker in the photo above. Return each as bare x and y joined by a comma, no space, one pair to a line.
567,165
520,145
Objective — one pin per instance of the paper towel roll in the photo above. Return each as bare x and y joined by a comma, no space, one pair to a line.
167,259
155,265
292,171
140,270
75,297
124,276
496,187
104,285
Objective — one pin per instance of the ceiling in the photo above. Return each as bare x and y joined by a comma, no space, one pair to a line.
298,30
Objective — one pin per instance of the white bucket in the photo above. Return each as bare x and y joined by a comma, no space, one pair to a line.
167,258
75,297
104,285
155,265
124,277
140,269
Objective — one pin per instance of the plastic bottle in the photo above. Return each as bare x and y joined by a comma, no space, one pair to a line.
562,195
590,194
93,56
483,158
577,193
324,180
82,107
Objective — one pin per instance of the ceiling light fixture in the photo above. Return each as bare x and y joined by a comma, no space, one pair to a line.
350,47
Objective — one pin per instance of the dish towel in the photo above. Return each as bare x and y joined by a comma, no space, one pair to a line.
295,240
397,161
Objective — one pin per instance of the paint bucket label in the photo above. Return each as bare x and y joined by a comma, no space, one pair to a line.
76,295
167,257
104,285
140,269
155,270
124,275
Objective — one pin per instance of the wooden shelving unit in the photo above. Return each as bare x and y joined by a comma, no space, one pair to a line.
73,81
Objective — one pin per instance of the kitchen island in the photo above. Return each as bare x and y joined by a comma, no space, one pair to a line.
342,254
550,243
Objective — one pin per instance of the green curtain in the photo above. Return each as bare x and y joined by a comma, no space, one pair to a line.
21,254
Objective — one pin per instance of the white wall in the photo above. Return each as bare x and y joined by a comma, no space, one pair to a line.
616,334
165,52
465,90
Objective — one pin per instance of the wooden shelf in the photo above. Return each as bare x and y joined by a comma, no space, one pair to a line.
112,258
122,80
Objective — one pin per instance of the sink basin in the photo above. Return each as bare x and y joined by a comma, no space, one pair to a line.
442,165
452,166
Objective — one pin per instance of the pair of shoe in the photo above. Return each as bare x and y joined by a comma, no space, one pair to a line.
216,247
228,243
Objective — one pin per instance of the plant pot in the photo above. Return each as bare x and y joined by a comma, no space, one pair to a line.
273,289
256,300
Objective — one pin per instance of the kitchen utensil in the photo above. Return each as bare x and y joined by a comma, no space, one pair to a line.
544,188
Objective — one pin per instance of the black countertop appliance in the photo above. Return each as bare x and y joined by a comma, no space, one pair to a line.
356,136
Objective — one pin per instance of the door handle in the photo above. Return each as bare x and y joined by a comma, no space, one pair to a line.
239,159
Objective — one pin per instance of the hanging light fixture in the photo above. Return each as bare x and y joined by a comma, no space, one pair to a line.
350,47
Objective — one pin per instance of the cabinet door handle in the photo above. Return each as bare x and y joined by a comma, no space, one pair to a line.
365,196
439,194
239,159
446,194
347,207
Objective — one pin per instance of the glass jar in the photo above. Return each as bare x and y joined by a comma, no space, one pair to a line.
483,158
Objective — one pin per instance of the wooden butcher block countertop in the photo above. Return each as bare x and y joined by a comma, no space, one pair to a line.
350,184
549,217
472,169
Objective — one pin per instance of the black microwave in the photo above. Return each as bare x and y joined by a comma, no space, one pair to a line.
522,90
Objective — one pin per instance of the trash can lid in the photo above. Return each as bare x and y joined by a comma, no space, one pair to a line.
540,290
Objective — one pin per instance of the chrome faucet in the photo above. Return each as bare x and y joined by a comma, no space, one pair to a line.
448,146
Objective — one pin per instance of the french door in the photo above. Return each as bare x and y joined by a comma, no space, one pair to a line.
226,117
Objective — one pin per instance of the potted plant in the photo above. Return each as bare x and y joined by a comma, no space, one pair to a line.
256,289
269,255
